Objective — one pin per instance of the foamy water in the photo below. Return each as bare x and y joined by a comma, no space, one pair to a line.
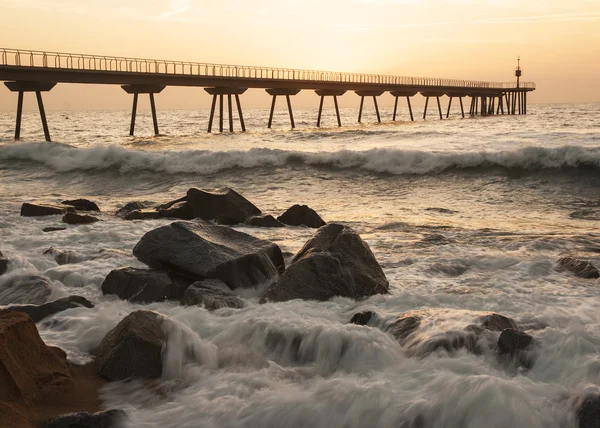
504,197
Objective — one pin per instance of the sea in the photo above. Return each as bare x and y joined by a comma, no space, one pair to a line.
501,198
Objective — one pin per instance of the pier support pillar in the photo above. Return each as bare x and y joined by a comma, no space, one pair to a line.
329,93
230,92
25,86
437,95
283,92
362,95
458,95
143,89
408,95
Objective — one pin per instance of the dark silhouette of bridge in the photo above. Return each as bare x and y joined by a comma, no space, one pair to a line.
36,71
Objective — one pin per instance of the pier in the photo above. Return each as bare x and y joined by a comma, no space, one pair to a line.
35,71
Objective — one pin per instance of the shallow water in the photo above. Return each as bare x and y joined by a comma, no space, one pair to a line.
504,197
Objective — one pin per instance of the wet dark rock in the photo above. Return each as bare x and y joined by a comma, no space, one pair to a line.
29,209
450,269
74,218
265,220
143,214
53,229
588,413
3,264
143,285
497,322
108,419
180,210
82,205
517,346
133,349
362,318
203,250
128,207
579,268
403,327
211,293
28,289
225,206
39,312
334,262
301,215
65,257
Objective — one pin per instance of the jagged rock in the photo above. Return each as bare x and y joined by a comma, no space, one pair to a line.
128,207
334,262
3,264
301,215
108,419
579,268
211,293
28,289
362,318
143,285
133,348
265,220
497,322
403,326
225,206
202,250
143,214
29,209
181,210
588,413
82,205
515,345
53,229
74,218
39,312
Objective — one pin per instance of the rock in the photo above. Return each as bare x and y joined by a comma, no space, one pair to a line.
133,349
202,250
211,293
39,312
301,215
3,264
362,318
265,220
225,206
31,371
143,214
515,344
334,262
37,210
53,229
180,210
403,326
588,413
143,285
28,289
65,257
74,218
450,269
82,205
579,268
497,322
128,207
450,341
108,419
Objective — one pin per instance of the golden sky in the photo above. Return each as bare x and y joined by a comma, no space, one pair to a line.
558,41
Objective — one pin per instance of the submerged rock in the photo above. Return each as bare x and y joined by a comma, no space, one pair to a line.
82,205
449,269
202,250
402,327
497,322
27,289
211,293
516,345
39,312
334,262
108,419
133,348
29,209
3,264
265,220
74,218
53,229
143,285
588,413
579,268
301,215
65,257
362,318
181,210
128,207
143,214
225,206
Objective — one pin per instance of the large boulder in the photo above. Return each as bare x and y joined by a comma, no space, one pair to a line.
29,209
181,210
129,207
39,312
133,348
212,294
3,264
82,205
108,419
334,262
27,289
265,220
588,413
579,268
74,218
143,214
301,215
225,206
516,346
497,322
143,285
202,250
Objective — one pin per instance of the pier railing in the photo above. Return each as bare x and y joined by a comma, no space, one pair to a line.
71,61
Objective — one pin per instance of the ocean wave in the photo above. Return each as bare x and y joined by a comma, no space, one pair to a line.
64,158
